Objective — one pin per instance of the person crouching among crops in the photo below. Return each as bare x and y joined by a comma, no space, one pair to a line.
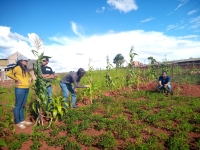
66,84
47,73
22,82
164,83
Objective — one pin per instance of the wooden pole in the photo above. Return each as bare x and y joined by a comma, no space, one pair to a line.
2,75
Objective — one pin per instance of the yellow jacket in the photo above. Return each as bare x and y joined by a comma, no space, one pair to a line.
16,74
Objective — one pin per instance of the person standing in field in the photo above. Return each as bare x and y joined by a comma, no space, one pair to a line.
164,83
66,84
47,73
22,82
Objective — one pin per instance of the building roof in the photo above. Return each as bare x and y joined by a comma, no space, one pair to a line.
16,53
30,63
184,60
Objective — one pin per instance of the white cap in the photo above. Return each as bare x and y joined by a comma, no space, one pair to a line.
22,57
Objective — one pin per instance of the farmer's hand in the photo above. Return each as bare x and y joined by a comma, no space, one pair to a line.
87,86
75,91
31,81
43,75
17,82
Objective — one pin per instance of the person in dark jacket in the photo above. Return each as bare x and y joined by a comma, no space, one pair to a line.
66,84
164,82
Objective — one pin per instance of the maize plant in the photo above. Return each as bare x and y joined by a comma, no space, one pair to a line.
92,88
109,82
130,78
40,106
57,107
151,75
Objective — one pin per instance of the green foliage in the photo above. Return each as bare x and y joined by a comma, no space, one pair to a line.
2,143
57,107
92,90
151,73
18,141
72,146
132,77
119,60
178,141
107,141
109,81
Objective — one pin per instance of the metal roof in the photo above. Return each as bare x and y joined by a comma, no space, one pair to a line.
184,60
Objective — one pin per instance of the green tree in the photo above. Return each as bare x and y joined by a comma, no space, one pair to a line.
119,60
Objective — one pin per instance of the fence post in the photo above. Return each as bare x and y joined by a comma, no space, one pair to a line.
2,75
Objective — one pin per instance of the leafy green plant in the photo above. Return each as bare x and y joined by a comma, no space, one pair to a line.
109,81
18,140
131,76
39,105
151,73
107,141
91,91
2,143
36,145
57,105
72,146
85,139
178,141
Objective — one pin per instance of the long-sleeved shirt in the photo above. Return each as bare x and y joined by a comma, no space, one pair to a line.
16,74
72,78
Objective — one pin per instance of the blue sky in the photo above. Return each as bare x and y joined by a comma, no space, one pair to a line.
75,30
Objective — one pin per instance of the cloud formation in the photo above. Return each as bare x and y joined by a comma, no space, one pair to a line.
100,10
192,12
195,22
76,29
67,56
182,2
148,19
123,5
12,42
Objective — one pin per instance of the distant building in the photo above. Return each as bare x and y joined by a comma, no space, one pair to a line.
137,63
185,61
8,63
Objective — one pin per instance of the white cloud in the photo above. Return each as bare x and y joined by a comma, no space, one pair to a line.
182,2
192,12
100,10
177,26
195,22
189,37
12,42
172,26
74,53
123,5
76,29
148,19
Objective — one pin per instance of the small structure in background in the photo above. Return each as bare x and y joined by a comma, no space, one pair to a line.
137,63
9,62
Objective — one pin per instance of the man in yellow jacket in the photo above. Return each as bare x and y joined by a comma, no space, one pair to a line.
22,82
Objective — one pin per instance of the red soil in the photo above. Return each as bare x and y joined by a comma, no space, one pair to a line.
185,89
93,132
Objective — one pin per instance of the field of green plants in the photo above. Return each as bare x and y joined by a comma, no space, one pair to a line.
120,112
